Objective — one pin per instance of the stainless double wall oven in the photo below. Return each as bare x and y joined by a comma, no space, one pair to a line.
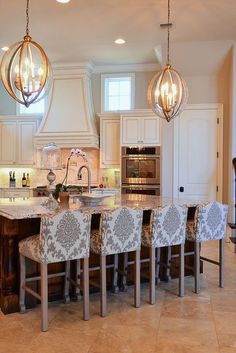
140,170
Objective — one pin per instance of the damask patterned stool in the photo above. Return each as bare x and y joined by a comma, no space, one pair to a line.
63,237
119,232
167,228
209,223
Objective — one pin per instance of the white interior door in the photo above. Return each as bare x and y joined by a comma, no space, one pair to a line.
197,170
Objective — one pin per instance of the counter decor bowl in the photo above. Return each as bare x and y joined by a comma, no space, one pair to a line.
89,199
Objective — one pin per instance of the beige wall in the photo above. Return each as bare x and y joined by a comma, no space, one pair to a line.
7,104
142,80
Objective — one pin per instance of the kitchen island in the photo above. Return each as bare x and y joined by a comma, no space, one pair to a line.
20,218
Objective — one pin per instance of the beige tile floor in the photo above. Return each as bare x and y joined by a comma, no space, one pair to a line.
203,323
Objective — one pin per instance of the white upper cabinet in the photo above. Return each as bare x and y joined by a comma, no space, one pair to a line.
109,141
8,142
16,143
141,128
26,132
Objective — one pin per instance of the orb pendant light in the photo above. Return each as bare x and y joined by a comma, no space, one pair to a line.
25,69
167,91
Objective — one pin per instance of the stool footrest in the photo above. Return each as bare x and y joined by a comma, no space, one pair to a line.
209,260
38,278
32,292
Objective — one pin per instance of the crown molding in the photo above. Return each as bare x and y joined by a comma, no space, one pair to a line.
102,69
89,67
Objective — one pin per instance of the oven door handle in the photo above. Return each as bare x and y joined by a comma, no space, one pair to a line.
138,157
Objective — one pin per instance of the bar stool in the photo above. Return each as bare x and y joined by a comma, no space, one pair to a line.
209,223
119,232
63,237
167,228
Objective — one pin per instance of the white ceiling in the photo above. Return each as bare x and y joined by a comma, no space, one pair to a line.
84,30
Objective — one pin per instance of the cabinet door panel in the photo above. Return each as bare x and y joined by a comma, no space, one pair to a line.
150,131
131,131
110,143
8,143
26,143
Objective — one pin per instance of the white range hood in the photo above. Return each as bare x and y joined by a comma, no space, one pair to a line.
70,118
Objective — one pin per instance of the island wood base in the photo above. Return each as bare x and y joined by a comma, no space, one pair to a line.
12,231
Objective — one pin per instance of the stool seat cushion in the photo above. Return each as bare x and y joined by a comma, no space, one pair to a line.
190,230
146,236
209,222
63,237
167,227
29,247
119,232
95,241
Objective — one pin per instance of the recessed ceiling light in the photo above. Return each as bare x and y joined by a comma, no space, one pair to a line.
63,1
5,48
119,41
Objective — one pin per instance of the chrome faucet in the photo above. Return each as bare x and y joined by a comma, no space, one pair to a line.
79,175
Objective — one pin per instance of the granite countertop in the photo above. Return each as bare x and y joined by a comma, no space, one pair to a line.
33,207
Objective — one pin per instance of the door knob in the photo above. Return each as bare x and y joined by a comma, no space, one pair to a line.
181,189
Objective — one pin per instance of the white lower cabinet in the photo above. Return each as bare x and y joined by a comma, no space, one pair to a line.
16,142
109,141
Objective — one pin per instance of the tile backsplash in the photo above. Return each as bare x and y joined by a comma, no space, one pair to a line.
108,177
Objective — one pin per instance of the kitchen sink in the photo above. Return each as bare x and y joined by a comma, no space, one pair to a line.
89,199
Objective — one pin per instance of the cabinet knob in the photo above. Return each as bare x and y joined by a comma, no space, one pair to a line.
181,189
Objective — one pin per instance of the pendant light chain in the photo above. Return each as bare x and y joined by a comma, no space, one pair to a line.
27,18
168,38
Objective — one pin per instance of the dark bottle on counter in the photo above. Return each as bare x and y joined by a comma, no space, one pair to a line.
27,180
13,180
23,180
10,179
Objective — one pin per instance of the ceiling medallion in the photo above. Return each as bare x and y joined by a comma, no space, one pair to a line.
25,69
167,91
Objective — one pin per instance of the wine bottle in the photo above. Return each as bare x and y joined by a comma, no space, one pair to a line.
10,179
14,180
27,180
23,180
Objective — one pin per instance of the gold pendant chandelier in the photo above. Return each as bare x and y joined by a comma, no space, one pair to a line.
167,91
25,69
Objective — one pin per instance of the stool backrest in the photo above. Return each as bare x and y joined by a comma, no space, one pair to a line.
210,221
120,230
168,225
65,236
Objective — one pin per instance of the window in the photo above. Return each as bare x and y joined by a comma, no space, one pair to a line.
34,109
117,92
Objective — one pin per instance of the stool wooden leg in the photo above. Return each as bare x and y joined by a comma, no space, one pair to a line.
44,297
137,280
22,284
152,276
158,259
125,270
103,284
67,283
168,278
115,288
78,280
197,266
181,271
221,268
86,288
